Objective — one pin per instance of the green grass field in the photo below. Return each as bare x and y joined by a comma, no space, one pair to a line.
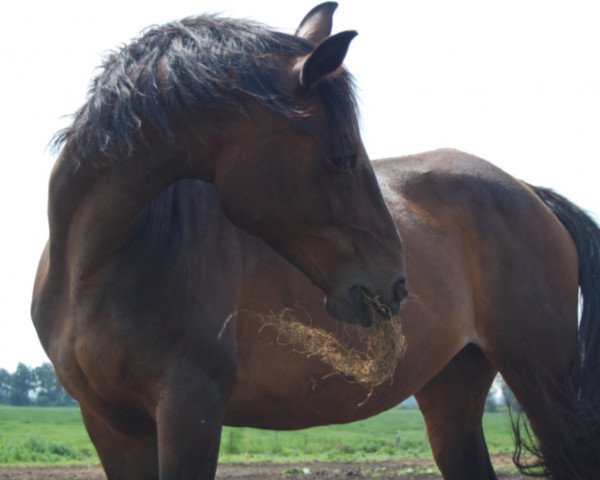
43,435
56,435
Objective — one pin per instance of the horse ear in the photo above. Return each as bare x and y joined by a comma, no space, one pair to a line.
325,59
316,25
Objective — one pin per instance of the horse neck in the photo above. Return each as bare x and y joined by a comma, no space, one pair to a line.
95,206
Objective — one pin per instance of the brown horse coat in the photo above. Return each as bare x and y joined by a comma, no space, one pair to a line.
147,292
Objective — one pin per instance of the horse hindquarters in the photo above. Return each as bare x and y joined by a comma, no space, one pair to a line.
521,270
583,398
530,335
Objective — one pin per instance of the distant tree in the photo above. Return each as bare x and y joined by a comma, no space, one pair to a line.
490,402
22,382
5,385
509,396
48,389
494,396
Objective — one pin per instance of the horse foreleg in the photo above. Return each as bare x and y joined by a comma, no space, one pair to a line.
123,456
452,404
189,419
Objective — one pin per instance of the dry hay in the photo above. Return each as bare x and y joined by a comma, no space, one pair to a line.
372,362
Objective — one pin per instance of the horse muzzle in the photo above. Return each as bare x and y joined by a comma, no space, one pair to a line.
360,305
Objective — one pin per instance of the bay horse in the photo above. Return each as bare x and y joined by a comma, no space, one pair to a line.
217,171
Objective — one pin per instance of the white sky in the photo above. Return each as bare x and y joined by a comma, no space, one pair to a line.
514,81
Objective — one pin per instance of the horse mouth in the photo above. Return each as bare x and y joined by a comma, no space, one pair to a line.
359,306
376,309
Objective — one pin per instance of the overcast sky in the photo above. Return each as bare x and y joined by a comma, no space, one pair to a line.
516,82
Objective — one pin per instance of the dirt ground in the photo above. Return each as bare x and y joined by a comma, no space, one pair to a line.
403,470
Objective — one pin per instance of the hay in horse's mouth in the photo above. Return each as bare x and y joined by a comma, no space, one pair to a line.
380,311
369,364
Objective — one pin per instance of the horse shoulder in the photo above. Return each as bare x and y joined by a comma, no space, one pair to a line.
169,289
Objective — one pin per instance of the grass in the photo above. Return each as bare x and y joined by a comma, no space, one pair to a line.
395,434
56,435
43,435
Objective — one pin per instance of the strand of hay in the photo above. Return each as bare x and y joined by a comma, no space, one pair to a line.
370,365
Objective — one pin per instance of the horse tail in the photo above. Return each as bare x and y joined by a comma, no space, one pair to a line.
586,235
585,387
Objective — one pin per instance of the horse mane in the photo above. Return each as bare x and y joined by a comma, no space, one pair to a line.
177,73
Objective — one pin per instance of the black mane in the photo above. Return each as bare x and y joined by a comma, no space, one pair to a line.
185,69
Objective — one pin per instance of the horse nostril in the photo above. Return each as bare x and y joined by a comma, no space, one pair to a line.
400,293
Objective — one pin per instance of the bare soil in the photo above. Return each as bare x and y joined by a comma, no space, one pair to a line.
401,469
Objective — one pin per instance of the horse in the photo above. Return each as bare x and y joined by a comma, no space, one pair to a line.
172,231
126,302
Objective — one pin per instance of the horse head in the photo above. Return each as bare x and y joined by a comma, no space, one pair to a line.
305,185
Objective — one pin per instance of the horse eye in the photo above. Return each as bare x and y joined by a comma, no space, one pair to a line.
345,163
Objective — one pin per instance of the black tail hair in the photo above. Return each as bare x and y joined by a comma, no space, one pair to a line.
586,235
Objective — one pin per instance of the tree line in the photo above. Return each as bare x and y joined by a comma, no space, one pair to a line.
40,386
33,386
